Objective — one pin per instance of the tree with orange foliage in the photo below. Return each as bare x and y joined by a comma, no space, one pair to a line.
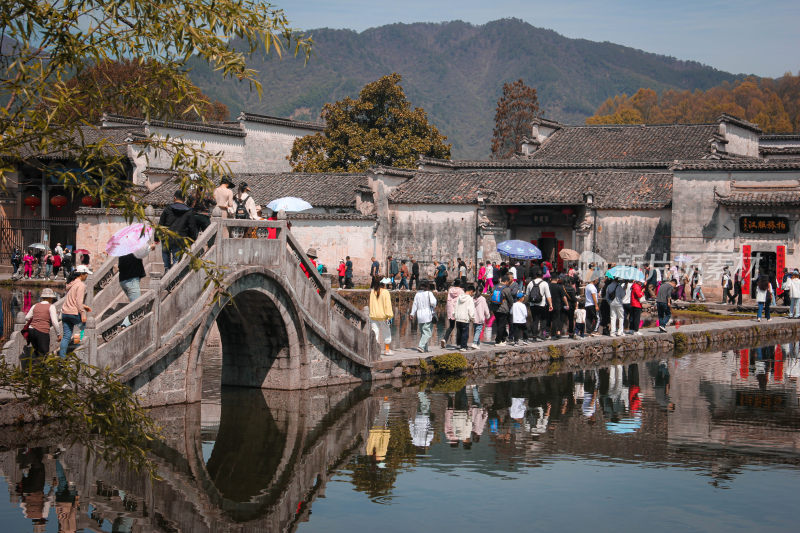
120,87
772,104
516,108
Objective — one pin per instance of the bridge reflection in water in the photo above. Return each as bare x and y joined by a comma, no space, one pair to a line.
257,460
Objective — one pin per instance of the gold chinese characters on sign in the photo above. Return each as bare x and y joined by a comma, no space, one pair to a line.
763,224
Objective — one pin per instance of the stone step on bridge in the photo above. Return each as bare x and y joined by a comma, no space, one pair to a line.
273,325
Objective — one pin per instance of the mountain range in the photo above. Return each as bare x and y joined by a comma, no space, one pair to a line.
455,71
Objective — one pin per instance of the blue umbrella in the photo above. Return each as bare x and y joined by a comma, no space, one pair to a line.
519,250
627,272
289,203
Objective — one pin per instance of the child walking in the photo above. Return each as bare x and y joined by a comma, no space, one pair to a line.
580,320
519,319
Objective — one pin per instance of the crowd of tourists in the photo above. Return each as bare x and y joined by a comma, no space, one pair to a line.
524,304
46,264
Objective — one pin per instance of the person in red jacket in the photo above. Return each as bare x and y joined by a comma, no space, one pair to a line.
341,272
637,295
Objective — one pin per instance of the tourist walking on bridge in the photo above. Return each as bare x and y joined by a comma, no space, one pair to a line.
131,271
74,311
178,218
380,313
42,316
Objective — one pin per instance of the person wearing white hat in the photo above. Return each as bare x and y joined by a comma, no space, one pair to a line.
42,316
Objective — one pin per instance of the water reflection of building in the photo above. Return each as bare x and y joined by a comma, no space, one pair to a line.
259,459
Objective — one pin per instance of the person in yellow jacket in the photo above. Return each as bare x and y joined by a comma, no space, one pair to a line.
380,312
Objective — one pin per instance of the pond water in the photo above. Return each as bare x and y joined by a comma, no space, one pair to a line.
14,300
705,442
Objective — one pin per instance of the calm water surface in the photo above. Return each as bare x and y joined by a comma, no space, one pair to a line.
705,442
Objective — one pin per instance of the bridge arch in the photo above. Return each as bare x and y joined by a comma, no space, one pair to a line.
258,331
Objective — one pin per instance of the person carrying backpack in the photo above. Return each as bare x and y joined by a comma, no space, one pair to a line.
441,277
540,302
503,312
177,217
245,208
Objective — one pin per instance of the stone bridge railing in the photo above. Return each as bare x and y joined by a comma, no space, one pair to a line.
168,305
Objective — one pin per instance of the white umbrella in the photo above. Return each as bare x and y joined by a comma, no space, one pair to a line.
289,203
682,258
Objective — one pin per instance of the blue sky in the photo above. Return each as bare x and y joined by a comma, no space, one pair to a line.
754,37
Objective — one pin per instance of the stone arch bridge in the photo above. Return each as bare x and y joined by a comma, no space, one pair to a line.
273,325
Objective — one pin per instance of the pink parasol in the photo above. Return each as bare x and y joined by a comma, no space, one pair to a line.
81,251
129,240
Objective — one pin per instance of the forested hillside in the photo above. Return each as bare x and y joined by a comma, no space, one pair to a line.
456,71
773,104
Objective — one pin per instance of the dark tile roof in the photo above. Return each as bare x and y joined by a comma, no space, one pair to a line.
765,198
394,171
781,137
527,163
329,216
629,143
278,121
217,128
114,142
321,190
622,189
779,150
738,164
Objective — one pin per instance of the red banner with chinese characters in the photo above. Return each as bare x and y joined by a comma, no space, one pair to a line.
559,261
746,269
744,363
777,374
780,264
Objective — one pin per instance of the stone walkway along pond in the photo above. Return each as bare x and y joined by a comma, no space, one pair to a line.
720,335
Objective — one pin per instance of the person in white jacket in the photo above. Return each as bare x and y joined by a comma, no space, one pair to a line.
422,309
794,294
464,314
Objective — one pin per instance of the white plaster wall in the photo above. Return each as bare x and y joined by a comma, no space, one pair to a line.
740,140
623,234
335,239
233,148
390,183
432,232
93,233
268,146
710,233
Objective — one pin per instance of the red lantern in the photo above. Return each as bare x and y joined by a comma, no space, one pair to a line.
512,210
58,201
89,201
33,202
567,211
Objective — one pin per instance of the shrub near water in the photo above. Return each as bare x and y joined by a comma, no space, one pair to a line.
450,363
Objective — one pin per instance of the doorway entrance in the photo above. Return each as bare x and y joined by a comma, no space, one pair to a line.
763,263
